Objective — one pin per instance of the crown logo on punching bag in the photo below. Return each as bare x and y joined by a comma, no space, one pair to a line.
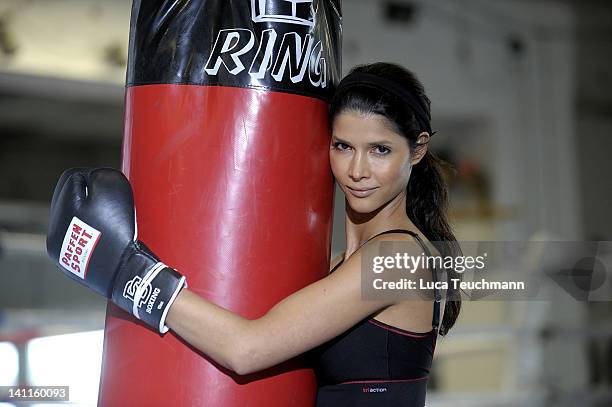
283,11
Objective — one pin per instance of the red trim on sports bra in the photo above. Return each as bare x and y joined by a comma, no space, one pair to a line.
384,381
399,330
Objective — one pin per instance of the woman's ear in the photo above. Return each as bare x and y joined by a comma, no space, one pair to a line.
420,149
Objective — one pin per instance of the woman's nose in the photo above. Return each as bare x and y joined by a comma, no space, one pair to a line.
359,167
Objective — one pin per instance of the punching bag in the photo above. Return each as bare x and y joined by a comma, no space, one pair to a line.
226,146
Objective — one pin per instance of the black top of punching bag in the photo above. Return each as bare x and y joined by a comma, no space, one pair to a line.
290,46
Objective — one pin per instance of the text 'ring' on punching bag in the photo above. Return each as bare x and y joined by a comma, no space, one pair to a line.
226,146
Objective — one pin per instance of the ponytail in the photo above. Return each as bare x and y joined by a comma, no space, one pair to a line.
426,207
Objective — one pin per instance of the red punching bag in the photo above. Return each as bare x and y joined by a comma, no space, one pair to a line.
226,146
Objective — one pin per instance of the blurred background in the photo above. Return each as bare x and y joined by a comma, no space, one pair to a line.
521,96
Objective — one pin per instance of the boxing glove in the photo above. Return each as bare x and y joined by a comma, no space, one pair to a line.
92,238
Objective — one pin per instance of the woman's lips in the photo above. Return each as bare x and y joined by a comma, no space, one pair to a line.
362,192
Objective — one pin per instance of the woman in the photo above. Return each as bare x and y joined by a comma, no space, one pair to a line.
379,157
364,348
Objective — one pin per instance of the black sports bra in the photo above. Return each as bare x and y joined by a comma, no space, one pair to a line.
374,363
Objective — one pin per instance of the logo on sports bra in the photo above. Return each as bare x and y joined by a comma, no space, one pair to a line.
374,389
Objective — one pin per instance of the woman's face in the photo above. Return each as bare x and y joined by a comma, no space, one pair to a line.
370,161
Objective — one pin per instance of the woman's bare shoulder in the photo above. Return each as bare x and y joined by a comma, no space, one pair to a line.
408,314
406,237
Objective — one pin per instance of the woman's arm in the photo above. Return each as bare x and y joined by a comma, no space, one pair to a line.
302,321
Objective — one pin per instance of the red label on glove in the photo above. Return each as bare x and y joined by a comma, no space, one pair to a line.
79,244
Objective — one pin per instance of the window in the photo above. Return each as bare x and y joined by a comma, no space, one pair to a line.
72,360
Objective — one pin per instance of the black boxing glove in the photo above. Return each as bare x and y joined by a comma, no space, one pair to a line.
92,238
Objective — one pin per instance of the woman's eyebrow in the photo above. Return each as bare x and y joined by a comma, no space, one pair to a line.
373,143
381,142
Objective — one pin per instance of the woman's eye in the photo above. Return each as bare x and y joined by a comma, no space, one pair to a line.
382,150
341,146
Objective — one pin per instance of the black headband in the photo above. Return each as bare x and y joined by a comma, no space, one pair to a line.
376,82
